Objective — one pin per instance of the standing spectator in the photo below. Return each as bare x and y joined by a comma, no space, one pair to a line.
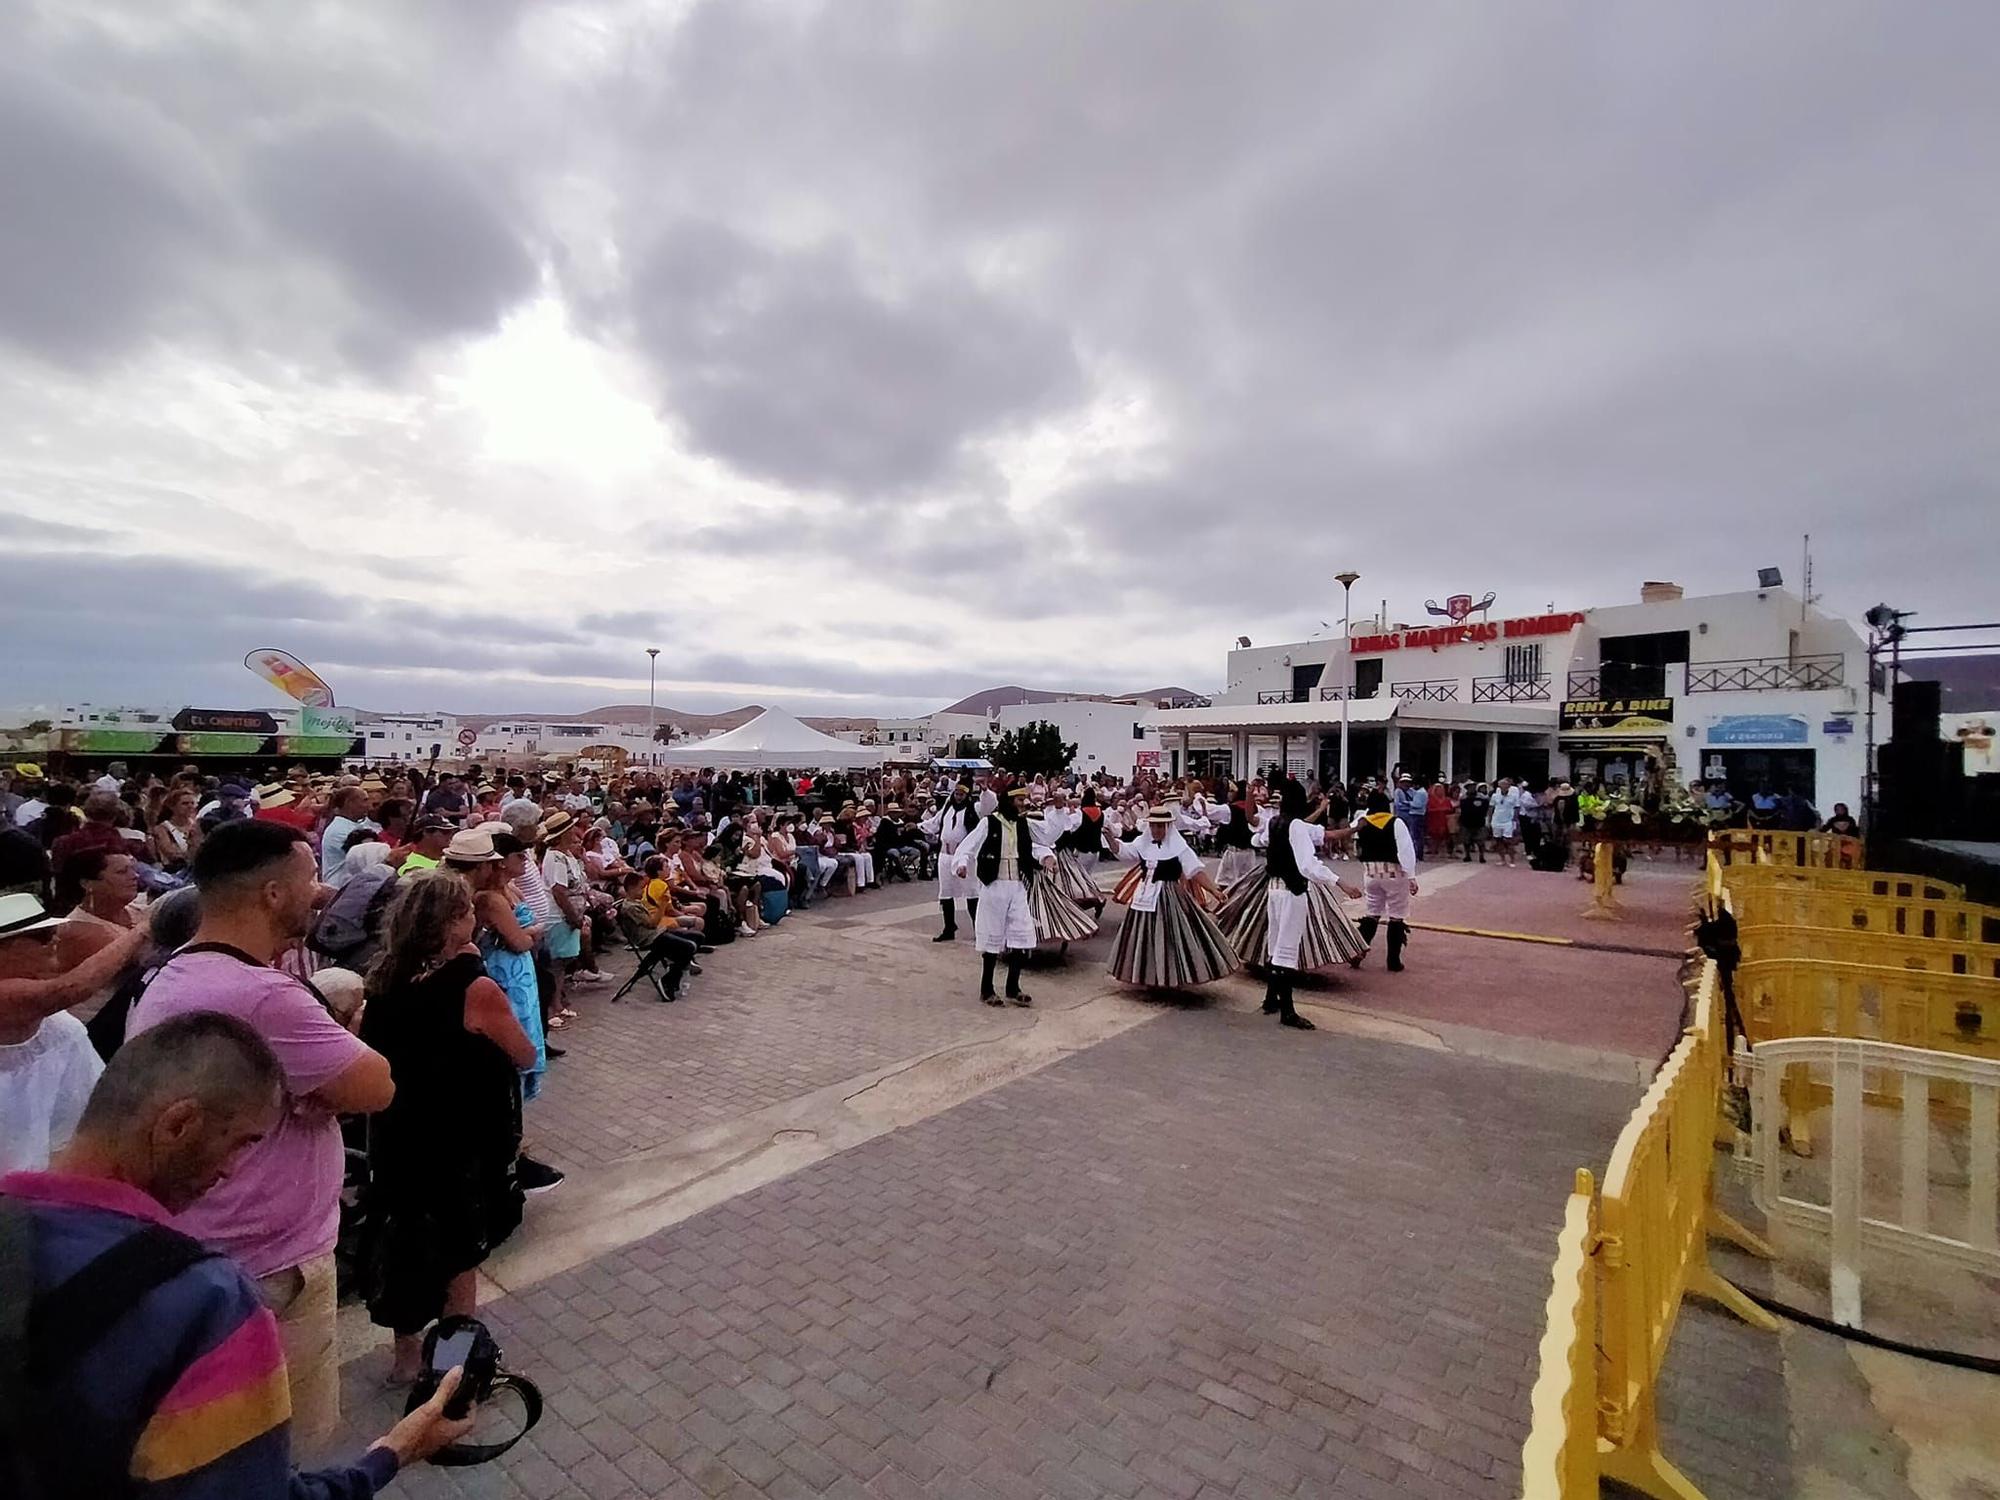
426,850
1440,818
1410,805
447,798
443,1152
569,891
113,779
102,814
107,885
47,1065
176,835
1505,816
1473,805
349,809
278,1210
188,1399
58,816
1842,822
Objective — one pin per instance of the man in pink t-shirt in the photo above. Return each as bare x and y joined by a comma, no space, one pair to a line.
278,1211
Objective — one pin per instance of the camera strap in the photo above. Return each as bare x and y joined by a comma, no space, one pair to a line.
465,1455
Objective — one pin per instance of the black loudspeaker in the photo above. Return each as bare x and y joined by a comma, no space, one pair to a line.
1913,717
1919,793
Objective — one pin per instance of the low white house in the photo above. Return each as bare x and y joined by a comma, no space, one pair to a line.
1115,737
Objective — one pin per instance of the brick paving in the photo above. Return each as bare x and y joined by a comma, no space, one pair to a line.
810,1003
1205,1258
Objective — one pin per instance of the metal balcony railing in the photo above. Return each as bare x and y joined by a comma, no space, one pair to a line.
1584,684
1510,689
1438,690
1281,695
1797,674
1336,693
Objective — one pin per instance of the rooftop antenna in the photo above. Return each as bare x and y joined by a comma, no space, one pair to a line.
1806,596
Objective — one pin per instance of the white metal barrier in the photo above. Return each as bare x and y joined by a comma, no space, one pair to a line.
1851,1062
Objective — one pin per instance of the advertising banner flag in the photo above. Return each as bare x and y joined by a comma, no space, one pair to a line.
290,676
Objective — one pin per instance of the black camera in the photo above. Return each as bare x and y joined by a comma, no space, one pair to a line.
464,1344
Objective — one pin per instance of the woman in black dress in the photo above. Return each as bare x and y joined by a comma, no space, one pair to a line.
441,1156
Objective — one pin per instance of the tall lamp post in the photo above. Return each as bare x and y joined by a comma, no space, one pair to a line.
652,709
1347,581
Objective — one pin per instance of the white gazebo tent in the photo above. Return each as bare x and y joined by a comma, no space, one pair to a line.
774,741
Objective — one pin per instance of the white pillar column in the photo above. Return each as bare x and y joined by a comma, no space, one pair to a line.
1187,744
1445,745
1284,752
1313,739
1239,755
1392,747
1492,756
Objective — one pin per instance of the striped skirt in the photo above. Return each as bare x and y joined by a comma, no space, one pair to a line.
1074,878
1330,936
1058,919
1238,864
1175,945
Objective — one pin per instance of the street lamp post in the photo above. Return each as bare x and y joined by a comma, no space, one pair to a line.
1347,581
652,709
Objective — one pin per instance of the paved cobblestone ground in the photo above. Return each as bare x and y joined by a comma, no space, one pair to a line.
810,1003
1206,1258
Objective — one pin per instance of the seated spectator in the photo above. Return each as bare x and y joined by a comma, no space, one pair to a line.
442,1154
601,856
278,1210
657,942
47,1065
188,1399
852,849
668,902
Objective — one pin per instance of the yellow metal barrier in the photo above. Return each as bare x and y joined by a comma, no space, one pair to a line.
1559,1459
1933,955
1655,1214
1843,882
1818,851
1767,904
1911,1007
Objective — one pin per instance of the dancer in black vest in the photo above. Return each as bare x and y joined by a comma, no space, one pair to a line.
1389,873
1004,855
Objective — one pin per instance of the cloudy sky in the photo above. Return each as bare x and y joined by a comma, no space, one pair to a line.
862,353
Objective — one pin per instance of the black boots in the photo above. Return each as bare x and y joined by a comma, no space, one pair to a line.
1014,994
1367,926
1273,993
1399,934
989,963
950,924
1281,983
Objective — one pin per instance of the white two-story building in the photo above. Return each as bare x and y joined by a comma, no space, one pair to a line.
1749,688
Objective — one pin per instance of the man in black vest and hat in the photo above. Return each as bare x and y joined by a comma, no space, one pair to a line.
1388,858
1004,854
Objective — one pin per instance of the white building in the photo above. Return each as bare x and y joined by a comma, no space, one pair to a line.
410,737
1114,737
933,734
536,739
1747,687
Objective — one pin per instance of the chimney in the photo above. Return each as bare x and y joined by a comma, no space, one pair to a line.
1659,593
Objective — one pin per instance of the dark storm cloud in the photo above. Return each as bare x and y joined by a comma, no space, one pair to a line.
790,365
420,243
102,219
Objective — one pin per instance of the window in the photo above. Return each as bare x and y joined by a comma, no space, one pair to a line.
1368,677
1138,731
1524,662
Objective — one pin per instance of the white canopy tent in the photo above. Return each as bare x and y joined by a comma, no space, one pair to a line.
774,741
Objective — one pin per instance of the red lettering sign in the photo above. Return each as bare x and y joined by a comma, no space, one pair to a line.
1458,635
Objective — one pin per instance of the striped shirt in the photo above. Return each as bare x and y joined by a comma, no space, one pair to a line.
185,1395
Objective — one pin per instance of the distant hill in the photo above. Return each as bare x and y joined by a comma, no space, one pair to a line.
693,725
990,701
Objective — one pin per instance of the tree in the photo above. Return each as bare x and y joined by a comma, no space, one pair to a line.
966,748
1037,748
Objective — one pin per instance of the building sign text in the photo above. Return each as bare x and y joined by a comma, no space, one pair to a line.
1456,635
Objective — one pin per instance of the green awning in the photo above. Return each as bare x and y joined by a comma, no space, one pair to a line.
221,744
111,741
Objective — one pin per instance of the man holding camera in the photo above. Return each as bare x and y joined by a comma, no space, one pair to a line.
133,1360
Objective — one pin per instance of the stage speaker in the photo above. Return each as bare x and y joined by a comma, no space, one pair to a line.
1914,715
